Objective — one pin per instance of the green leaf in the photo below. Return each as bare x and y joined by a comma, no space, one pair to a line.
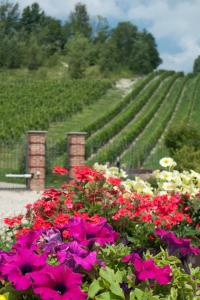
94,288
115,289
106,296
137,295
107,274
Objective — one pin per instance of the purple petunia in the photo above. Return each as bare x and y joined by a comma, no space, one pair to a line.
73,255
147,269
50,240
87,234
19,268
180,245
58,283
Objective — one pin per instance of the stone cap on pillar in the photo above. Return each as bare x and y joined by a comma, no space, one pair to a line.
37,131
76,133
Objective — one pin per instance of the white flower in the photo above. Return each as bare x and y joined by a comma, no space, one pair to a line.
167,162
165,175
169,186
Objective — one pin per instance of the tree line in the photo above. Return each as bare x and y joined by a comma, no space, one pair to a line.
30,38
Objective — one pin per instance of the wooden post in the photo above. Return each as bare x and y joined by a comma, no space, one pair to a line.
76,151
36,159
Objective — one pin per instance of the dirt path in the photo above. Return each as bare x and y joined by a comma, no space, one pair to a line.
125,84
13,202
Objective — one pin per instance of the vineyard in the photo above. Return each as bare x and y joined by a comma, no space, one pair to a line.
34,104
129,129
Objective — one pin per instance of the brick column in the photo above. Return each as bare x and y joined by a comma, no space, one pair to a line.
76,151
36,159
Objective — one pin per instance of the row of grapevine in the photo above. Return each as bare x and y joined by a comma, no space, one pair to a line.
181,117
100,122
34,104
97,140
136,154
128,135
195,110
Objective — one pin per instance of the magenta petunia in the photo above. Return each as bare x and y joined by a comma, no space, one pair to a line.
4,257
87,233
19,268
180,245
58,283
28,241
147,269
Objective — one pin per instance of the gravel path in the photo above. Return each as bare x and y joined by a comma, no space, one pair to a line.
13,202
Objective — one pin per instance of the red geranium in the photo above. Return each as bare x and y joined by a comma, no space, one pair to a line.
60,170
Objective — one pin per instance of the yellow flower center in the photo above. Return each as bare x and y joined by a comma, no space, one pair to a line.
2,297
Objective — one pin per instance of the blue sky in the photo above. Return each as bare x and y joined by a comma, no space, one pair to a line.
174,23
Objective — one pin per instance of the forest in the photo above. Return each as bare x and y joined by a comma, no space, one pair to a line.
81,40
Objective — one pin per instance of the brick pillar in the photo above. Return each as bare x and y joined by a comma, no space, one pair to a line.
76,151
36,159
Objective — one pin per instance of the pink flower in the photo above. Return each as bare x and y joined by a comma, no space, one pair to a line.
175,244
20,267
58,283
147,269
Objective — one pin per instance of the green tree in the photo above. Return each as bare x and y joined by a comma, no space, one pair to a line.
140,61
108,57
196,67
35,55
10,58
154,56
32,17
124,37
51,35
9,17
80,22
78,51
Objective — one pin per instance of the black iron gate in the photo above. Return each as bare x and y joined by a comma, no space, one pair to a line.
13,165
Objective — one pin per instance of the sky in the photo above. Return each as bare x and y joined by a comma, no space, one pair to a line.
174,23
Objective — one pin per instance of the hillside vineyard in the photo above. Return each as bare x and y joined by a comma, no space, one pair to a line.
130,128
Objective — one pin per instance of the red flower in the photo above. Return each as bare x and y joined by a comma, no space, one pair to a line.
114,181
61,219
60,170
11,222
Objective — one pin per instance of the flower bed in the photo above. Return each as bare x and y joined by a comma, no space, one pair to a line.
106,237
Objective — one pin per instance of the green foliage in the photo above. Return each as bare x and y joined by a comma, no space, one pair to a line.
78,49
196,67
188,158
107,286
183,143
185,135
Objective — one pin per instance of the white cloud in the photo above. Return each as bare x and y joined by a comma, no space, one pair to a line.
62,8
178,20
175,20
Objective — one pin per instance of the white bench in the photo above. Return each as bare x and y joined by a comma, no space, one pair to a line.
19,175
